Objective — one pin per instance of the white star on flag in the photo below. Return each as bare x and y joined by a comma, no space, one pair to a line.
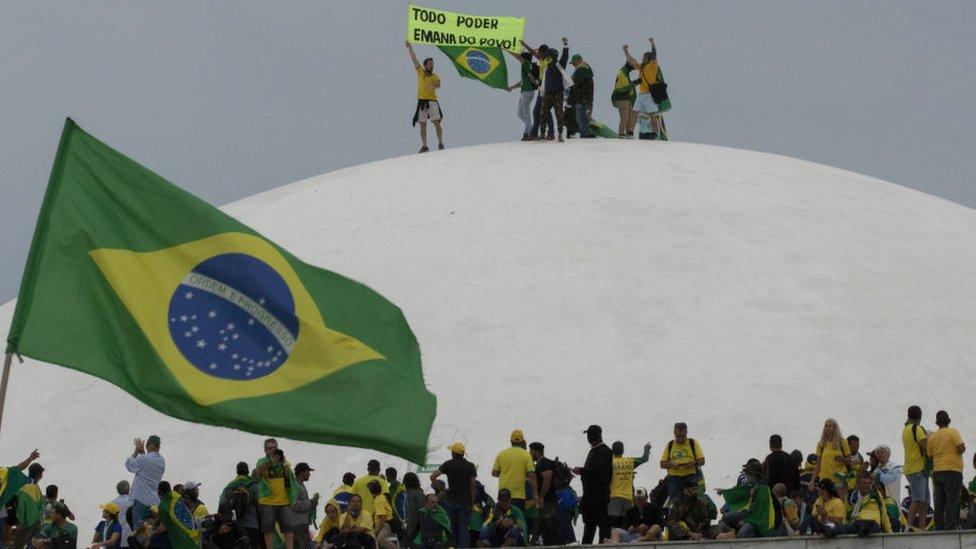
201,344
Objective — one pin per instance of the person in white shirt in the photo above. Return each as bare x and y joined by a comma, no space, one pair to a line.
124,501
887,472
147,467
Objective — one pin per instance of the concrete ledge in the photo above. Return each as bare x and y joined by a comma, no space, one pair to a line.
964,539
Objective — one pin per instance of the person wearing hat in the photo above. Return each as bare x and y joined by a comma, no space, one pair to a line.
460,496
513,466
581,94
946,448
639,521
108,533
191,498
596,474
147,467
299,515
59,533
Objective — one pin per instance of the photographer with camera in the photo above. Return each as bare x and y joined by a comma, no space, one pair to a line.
277,491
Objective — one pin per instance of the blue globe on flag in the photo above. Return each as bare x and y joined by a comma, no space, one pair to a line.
233,317
478,61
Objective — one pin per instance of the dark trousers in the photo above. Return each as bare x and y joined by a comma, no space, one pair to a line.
554,102
460,516
947,486
538,128
859,527
594,519
583,119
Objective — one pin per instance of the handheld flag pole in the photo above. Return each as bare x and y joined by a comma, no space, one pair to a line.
3,383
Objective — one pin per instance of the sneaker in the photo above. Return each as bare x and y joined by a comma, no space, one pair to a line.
424,149
440,146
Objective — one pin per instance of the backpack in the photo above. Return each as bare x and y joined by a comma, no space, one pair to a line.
929,464
562,475
239,501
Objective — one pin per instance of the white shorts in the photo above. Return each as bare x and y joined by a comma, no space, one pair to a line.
645,104
432,112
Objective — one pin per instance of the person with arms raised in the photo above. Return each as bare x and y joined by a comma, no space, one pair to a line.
147,467
428,108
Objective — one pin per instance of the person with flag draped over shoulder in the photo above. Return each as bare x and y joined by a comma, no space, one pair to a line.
277,491
175,520
241,495
30,507
528,84
428,107
623,96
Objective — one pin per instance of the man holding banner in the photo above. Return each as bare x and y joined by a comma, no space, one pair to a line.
427,106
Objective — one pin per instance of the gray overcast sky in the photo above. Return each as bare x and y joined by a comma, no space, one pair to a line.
230,98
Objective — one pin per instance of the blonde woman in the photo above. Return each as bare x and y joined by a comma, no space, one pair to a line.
833,456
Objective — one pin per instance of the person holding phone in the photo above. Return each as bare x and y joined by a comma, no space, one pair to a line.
277,490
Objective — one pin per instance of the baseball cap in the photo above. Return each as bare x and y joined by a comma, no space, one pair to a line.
458,448
303,467
191,485
111,507
517,436
642,492
576,57
504,494
595,429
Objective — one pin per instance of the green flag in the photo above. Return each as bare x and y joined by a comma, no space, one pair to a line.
736,498
30,505
133,280
761,513
485,64
11,480
180,528
600,129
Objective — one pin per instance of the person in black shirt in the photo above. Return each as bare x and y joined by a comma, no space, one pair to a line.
547,525
460,495
595,474
779,466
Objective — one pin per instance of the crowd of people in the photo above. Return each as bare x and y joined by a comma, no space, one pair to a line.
552,101
835,490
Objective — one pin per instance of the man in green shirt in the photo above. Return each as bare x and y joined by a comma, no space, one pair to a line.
59,533
528,84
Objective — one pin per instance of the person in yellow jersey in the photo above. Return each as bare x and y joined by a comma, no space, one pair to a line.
829,509
356,525
382,515
275,495
869,516
946,448
328,529
683,459
344,491
513,466
833,457
622,482
428,108
191,498
361,486
649,92
914,439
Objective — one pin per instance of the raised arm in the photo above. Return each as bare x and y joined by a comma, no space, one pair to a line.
413,56
23,465
514,55
653,47
535,53
630,58
564,58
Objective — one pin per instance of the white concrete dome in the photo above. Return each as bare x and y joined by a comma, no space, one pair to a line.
621,283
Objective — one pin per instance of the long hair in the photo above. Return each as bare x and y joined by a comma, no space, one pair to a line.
836,440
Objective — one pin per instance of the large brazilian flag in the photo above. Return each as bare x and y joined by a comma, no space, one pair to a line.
485,64
133,280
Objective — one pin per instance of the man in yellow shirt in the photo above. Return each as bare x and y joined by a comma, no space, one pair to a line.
274,496
914,439
513,466
382,515
946,448
356,524
428,108
683,459
622,482
361,486
645,105
869,516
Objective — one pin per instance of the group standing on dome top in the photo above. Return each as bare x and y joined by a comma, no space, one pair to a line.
551,100
836,490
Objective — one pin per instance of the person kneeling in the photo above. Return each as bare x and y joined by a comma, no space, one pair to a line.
869,515
356,527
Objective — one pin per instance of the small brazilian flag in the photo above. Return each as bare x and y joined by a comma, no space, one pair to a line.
485,64
135,281
180,528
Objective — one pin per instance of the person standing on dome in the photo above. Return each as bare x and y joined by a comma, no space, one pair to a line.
147,466
513,466
914,439
652,94
552,85
946,448
428,108
459,499
581,95
596,474
529,84
622,482
833,457
623,96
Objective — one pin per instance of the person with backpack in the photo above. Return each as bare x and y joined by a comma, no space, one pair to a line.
241,496
683,459
622,482
460,496
59,533
623,96
946,449
596,474
917,469
652,91
528,84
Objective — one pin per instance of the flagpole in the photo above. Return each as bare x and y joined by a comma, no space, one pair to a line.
3,383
